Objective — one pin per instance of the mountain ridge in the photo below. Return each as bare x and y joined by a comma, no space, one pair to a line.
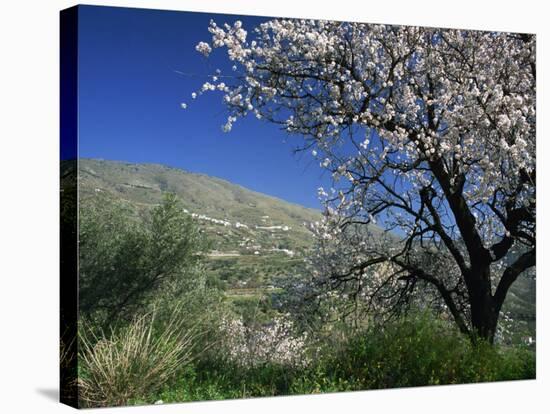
199,175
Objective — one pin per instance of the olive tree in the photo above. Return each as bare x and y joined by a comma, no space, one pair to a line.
125,260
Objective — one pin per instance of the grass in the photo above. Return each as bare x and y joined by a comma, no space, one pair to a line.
133,362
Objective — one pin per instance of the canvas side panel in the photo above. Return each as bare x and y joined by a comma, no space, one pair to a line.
68,205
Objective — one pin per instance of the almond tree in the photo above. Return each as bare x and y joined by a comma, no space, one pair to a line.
428,132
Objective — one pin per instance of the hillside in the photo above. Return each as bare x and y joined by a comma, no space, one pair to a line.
255,237
218,204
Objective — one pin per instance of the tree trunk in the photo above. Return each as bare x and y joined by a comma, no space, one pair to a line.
484,319
484,312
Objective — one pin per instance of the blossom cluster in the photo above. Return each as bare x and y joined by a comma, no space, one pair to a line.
274,342
465,98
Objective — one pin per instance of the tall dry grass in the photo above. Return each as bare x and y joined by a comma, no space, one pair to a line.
134,361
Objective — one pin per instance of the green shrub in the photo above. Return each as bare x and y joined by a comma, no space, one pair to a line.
517,363
216,380
414,351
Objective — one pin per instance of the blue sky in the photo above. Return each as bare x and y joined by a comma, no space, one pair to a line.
130,95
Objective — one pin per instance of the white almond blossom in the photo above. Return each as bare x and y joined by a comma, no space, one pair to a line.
274,342
204,48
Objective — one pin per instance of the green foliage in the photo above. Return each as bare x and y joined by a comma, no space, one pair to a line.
213,379
199,306
414,351
123,261
517,363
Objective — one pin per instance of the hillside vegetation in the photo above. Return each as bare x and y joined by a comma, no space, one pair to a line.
183,297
